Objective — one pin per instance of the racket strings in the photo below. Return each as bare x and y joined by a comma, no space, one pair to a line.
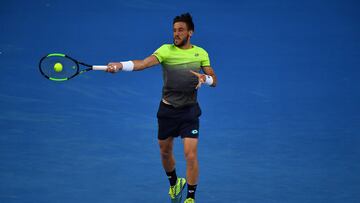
57,67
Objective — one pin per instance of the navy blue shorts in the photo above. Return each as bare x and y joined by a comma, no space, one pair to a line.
174,122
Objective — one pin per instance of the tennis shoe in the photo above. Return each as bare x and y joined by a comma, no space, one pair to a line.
176,190
189,200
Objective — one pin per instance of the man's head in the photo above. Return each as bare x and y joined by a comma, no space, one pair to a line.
183,28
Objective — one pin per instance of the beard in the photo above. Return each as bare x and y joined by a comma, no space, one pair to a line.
182,42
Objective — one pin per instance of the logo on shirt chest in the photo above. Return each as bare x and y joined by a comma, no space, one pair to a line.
196,54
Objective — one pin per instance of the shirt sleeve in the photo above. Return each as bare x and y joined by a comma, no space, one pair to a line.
161,53
205,59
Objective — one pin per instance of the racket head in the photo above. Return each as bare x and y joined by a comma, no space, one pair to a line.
65,68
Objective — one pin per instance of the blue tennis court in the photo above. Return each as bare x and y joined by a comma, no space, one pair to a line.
281,126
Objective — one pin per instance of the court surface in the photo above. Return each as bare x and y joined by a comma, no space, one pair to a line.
282,126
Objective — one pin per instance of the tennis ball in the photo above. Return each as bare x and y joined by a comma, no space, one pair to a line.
58,67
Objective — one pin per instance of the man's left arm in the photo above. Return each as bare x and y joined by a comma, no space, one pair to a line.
209,77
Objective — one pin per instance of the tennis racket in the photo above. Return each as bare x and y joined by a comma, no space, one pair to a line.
60,67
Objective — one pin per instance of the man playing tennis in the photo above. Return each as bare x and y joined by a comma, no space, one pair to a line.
179,110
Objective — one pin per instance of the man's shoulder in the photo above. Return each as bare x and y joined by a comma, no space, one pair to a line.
163,49
200,49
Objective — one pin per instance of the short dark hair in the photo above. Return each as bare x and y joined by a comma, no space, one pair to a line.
186,18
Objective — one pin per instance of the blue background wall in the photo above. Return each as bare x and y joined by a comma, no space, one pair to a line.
282,125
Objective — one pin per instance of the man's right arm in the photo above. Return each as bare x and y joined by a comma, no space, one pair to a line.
148,62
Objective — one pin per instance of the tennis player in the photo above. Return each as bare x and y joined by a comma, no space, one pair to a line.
179,111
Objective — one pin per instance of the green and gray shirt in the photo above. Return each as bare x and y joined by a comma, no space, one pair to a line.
179,83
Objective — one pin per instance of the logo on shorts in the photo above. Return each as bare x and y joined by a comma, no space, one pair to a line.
194,132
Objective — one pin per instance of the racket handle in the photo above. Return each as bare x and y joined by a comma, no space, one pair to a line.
99,67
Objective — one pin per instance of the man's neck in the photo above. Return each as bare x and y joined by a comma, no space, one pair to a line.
186,46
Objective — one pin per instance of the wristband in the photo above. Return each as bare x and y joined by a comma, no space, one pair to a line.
127,66
209,80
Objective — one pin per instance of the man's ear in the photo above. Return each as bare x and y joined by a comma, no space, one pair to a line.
191,33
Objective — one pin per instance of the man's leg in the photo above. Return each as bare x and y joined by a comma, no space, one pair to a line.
192,165
167,155
168,162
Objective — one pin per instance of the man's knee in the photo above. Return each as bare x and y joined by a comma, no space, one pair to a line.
190,149
191,156
166,154
166,149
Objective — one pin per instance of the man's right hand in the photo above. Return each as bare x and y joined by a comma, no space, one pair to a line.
114,67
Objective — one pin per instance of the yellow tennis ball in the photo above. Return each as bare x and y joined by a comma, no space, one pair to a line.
58,67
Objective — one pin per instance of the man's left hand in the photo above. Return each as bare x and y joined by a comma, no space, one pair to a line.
201,78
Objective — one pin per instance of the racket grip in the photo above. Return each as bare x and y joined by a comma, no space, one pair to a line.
99,67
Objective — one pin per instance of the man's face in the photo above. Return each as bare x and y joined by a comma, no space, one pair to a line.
181,34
